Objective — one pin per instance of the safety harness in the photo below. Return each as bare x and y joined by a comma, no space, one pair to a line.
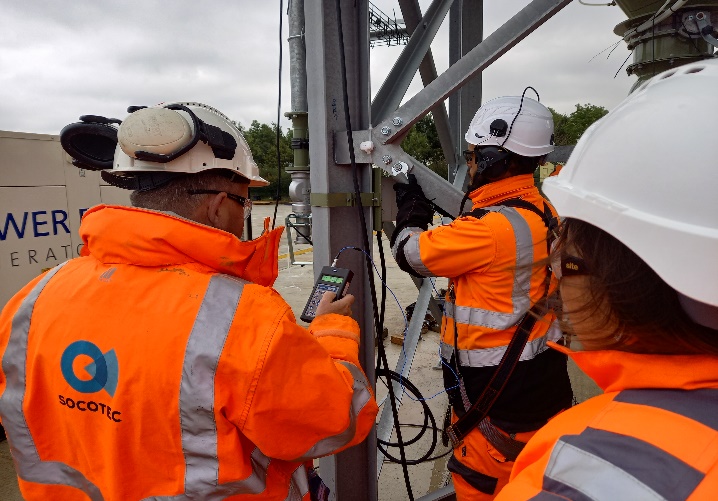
475,415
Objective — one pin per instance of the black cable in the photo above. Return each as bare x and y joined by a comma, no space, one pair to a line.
428,416
382,264
279,111
377,325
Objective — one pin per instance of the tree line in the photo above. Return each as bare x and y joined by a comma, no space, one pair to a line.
422,142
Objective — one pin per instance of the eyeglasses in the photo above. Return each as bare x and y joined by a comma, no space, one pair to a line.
469,155
568,266
244,202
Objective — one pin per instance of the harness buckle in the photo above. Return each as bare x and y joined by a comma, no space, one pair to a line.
454,436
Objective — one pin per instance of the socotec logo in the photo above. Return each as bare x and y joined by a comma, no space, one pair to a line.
104,374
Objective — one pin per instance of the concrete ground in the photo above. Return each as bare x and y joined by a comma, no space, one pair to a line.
295,283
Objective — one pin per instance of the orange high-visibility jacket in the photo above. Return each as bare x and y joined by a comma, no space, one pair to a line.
153,368
653,434
491,263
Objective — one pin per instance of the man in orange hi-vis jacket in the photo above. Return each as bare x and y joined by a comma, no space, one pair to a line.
161,364
497,293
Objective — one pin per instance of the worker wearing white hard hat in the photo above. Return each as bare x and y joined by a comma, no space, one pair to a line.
495,258
637,259
161,364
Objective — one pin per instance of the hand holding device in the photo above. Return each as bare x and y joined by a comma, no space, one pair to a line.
334,280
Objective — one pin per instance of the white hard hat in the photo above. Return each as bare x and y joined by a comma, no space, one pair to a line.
647,174
518,124
181,137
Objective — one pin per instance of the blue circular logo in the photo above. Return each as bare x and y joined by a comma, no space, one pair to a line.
103,369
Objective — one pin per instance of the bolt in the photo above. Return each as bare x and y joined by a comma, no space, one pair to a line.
397,121
400,167
386,131
387,159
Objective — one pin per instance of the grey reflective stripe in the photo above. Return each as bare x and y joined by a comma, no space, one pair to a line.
699,405
411,250
299,485
196,401
488,357
607,466
360,396
28,464
521,301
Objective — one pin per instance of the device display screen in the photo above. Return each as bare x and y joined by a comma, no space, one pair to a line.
331,279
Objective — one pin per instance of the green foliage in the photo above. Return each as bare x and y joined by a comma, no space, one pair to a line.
422,142
262,140
569,128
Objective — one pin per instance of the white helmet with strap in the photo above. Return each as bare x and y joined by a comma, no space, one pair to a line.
153,145
515,123
646,173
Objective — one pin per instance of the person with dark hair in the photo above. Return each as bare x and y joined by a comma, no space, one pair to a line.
161,364
637,261
502,381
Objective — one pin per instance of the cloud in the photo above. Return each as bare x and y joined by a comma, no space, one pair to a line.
60,60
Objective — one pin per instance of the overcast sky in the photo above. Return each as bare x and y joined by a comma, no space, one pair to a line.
63,59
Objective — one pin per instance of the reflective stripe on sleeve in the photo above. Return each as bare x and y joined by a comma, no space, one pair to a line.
488,357
28,464
360,396
520,299
602,465
411,250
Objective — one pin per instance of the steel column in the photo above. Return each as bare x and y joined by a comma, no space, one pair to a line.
351,475
466,20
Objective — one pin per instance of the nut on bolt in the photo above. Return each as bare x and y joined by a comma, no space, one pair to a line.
400,167
385,130
386,159
397,121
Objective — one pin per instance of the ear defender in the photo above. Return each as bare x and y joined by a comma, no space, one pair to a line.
493,161
91,142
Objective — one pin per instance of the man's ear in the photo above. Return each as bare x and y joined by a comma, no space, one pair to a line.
213,209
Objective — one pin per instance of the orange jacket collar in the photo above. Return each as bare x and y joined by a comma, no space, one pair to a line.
619,370
498,191
114,234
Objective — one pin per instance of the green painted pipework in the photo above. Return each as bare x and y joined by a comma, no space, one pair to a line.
668,43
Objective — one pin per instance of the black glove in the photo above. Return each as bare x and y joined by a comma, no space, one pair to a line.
413,207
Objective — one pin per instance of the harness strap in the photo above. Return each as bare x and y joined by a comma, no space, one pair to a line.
477,413
480,409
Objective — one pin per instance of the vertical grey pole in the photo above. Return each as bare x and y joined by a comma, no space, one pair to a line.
466,19
299,188
351,475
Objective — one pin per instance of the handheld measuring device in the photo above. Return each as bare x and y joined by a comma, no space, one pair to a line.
331,279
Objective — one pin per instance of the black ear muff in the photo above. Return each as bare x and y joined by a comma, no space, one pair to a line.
493,162
91,142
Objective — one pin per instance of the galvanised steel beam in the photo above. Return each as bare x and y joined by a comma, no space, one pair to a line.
351,475
397,82
498,43
411,12
403,365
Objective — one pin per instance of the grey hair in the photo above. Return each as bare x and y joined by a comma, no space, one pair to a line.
174,196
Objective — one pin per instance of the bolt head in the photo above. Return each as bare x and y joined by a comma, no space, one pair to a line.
386,131
397,121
